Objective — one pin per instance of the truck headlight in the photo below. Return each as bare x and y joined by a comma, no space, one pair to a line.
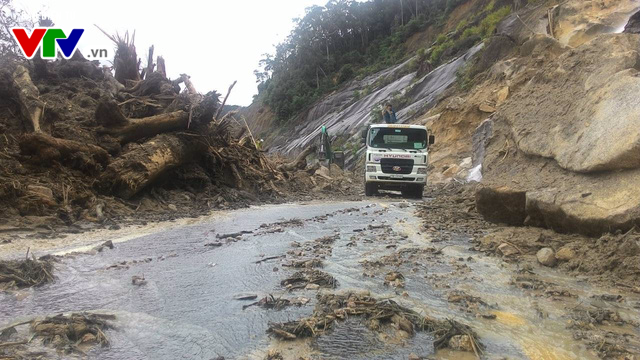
422,170
371,169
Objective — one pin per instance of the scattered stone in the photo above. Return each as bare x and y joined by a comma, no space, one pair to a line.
312,287
89,338
452,171
507,250
502,95
565,254
546,257
172,207
138,280
486,108
461,343
107,244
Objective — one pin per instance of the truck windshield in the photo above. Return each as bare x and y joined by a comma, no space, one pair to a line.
398,138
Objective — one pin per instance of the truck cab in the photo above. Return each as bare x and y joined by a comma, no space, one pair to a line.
397,158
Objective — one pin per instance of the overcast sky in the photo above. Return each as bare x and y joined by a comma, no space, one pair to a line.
215,42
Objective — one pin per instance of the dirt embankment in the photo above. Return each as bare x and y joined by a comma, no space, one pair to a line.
80,150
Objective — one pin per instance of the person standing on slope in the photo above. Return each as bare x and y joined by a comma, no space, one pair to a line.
389,115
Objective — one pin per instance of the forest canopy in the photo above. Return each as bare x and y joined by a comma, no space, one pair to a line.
334,43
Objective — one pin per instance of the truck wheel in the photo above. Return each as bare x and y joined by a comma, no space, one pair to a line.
413,192
419,191
370,189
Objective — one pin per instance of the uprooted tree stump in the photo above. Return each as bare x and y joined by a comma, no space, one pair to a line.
133,171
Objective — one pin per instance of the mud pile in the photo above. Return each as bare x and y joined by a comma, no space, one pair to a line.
78,148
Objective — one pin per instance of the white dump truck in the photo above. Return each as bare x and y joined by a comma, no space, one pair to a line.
397,158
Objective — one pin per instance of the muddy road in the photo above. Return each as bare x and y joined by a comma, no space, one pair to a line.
194,284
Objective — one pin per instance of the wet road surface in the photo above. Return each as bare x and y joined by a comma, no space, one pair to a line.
186,309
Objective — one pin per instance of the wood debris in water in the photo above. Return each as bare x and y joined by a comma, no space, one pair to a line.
334,307
25,273
68,334
308,278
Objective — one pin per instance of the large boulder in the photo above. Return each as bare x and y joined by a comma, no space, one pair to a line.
564,151
582,109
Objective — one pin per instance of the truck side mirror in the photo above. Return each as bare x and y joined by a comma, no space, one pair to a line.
432,139
364,135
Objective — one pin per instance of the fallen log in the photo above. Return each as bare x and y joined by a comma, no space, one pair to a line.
133,171
136,129
300,161
109,115
28,96
45,148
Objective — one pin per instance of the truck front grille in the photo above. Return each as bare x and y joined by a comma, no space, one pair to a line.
396,166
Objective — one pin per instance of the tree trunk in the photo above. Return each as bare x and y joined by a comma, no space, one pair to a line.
133,171
149,70
126,130
137,129
161,66
28,96
45,148
300,161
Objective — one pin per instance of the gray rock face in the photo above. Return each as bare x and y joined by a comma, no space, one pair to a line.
343,114
479,140
633,26
546,257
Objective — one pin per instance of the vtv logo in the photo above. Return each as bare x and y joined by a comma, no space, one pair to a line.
48,37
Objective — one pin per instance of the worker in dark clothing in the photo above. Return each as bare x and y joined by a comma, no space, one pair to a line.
389,115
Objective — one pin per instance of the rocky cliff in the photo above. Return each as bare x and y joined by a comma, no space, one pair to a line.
562,151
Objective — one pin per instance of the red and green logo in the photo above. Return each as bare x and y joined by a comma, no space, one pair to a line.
49,40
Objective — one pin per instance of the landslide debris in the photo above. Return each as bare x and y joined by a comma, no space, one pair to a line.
79,146
377,313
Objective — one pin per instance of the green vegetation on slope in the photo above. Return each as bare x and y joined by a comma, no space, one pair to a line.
346,39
